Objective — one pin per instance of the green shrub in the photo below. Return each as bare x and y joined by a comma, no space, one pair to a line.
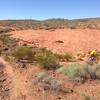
8,41
69,57
60,57
4,39
98,55
24,53
71,70
81,72
47,59
66,57
86,97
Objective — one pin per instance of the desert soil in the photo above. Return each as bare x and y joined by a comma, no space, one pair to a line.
72,40
17,83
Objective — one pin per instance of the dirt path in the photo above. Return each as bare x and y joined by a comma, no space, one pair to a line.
18,86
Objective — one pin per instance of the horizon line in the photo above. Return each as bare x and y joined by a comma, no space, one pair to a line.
48,18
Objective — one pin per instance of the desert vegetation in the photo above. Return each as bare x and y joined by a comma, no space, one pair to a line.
45,73
81,72
51,24
47,59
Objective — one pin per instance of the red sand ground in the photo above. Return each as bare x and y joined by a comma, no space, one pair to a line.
21,79
22,88
75,40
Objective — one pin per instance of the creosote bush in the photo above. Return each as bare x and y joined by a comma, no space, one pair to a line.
81,72
66,57
86,97
47,59
8,41
24,53
44,57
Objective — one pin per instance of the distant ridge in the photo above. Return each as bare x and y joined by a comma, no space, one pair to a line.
92,23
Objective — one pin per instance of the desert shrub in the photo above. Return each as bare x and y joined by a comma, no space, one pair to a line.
5,30
66,57
96,59
47,82
86,97
81,73
47,59
90,61
8,41
8,44
4,39
60,57
23,53
81,56
92,26
71,70
69,57
98,55
73,27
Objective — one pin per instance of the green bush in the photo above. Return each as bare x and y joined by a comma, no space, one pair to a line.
8,41
81,72
47,59
71,70
69,57
86,97
66,57
4,39
24,53
98,55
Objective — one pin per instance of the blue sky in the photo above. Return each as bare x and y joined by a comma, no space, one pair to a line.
44,9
